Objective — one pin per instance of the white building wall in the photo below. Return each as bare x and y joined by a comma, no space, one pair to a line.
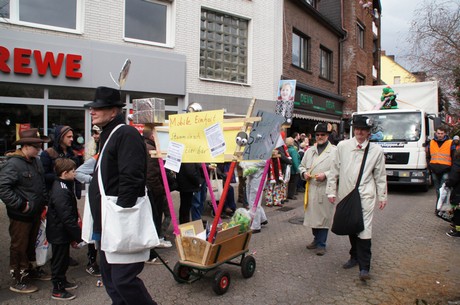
103,21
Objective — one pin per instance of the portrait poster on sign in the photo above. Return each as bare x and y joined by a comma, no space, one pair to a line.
285,101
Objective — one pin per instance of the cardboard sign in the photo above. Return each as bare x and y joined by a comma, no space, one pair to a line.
189,130
263,137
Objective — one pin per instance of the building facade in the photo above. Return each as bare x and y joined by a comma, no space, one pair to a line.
54,54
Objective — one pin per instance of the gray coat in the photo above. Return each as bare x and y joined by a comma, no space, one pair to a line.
319,210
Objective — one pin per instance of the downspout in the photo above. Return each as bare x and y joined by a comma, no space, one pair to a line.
341,41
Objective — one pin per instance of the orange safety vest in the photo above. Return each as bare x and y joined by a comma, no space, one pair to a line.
441,155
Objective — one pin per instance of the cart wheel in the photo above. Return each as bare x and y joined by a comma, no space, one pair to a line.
182,272
221,282
248,266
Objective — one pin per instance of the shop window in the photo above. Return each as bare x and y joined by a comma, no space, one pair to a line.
301,51
74,118
13,115
223,47
56,15
325,64
148,22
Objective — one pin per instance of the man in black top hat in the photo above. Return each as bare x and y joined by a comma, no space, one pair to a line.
346,163
123,167
23,190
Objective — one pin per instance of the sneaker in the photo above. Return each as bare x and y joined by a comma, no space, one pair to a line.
155,261
264,223
62,295
312,245
164,243
350,263
38,274
364,275
69,285
22,287
93,270
320,251
453,233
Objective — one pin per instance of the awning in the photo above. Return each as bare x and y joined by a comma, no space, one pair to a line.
315,116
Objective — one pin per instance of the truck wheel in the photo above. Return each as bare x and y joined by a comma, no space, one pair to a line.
182,273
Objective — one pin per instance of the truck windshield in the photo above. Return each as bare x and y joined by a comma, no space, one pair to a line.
392,127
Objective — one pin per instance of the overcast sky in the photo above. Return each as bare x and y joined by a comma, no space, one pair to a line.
397,16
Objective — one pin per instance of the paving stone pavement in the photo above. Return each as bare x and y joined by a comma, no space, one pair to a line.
414,262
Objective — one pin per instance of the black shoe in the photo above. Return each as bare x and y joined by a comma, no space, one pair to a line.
62,295
38,274
69,285
256,231
350,263
264,223
93,270
72,262
364,275
453,233
293,198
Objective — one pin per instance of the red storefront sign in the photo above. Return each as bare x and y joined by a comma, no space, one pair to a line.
20,61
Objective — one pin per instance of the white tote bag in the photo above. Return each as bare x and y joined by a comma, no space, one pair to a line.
125,230
216,185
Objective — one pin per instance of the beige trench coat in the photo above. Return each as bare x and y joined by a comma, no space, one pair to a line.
373,186
319,210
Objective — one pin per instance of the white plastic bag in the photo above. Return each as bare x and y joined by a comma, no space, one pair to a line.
216,185
43,251
444,198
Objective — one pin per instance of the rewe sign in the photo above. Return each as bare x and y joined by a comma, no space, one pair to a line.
20,62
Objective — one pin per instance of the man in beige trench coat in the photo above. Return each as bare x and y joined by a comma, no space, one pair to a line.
346,164
314,168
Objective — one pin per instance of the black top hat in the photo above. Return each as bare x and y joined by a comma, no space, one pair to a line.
31,136
106,98
323,127
360,121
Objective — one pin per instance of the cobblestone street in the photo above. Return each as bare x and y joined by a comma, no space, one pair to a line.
414,262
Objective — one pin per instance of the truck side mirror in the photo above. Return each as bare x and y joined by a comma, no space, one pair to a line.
437,122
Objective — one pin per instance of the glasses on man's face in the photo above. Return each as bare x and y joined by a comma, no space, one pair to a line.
321,134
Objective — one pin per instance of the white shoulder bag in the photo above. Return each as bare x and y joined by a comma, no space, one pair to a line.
125,230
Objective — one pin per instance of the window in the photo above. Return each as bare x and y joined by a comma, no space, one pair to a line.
396,79
325,65
47,14
148,21
360,80
360,35
301,51
223,47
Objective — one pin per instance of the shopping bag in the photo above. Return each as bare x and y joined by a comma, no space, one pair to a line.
43,251
443,203
127,230
87,222
348,217
216,185
287,175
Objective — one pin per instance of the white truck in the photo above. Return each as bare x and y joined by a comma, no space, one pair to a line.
403,133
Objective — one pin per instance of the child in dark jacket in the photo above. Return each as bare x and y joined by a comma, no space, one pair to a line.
62,227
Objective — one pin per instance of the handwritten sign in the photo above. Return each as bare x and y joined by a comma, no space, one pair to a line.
189,130
263,137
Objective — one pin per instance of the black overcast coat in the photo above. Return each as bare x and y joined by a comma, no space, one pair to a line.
123,166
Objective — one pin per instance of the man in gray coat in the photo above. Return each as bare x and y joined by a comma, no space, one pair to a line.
314,168
372,188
